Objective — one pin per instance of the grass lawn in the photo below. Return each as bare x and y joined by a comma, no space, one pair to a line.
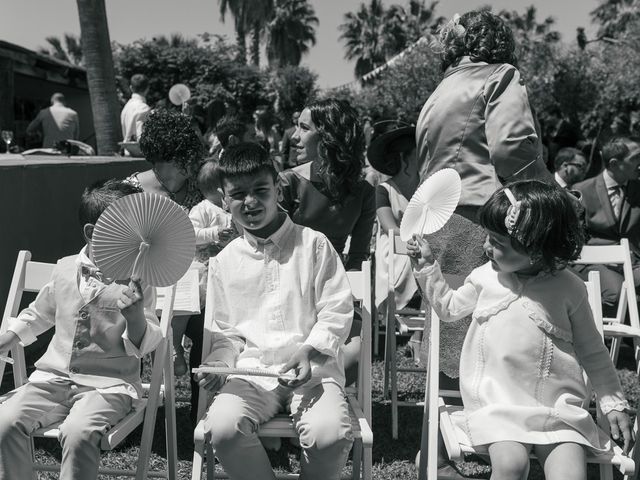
393,459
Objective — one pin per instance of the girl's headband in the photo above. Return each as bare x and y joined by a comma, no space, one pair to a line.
513,212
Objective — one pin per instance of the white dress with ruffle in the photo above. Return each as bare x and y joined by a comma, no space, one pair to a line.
521,364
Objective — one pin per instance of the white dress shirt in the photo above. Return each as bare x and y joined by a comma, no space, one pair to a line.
133,116
271,296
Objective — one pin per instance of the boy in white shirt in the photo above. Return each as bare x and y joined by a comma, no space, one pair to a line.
283,302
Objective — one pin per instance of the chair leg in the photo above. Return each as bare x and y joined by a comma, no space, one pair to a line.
615,349
393,379
367,466
211,462
357,459
170,420
389,336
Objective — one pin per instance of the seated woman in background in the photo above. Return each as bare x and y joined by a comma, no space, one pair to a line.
327,191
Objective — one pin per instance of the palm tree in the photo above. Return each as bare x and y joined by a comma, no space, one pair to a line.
98,60
71,52
260,13
614,16
240,11
527,29
362,34
290,32
421,19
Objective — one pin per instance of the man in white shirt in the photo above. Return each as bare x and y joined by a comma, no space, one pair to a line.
136,110
571,166
57,122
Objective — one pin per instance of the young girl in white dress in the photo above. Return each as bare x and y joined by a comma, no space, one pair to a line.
532,334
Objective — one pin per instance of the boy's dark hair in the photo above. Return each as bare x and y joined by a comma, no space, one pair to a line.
139,83
618,147
547,228
209,176
245,159
228,126
98,196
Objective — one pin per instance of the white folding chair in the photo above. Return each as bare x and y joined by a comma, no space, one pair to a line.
615,327
31,276
437,412
281,425
397,322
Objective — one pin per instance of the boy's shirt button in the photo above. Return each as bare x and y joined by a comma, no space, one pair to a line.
74,370
84,315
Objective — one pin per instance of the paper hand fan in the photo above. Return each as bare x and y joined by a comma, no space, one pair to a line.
144,236
432,205
249,372
179,93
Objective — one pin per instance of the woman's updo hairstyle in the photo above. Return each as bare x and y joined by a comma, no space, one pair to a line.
341,146
547,227
481,35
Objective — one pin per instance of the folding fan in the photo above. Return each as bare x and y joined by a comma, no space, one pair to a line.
249,372
432,205
179,93
144,236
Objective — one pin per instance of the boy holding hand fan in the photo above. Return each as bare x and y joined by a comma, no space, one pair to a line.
89,377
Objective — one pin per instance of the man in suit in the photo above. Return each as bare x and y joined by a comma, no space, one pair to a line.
571,166
612,211
55,123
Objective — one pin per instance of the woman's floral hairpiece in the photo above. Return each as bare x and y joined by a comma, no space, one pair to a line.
450,29
513,212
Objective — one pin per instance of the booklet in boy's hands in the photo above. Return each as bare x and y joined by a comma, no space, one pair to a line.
187,301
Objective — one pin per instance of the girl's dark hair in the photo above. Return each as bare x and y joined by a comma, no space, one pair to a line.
168,136
481,35
341,146
547,228
245,159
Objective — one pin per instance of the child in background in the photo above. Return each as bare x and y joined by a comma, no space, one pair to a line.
283,302
532,334
211,222
213,230
89,377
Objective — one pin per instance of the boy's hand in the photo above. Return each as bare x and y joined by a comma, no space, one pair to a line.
300,362
226,235
211,381
419,252
131,301
7,340
621,425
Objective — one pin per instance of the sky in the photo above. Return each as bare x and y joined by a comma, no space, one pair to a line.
29,22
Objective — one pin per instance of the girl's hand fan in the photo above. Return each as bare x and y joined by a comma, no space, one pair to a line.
432,205
179,93
144,236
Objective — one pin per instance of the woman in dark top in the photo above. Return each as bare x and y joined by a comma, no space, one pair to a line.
327,192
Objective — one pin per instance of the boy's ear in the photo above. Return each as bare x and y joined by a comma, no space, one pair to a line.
279,190
87,231
233,140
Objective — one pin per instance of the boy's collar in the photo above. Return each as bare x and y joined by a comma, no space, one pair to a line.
278,238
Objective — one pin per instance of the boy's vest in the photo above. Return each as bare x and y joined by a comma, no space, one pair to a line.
87,345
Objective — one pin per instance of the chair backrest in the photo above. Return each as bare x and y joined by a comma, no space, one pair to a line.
619,255
28,276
